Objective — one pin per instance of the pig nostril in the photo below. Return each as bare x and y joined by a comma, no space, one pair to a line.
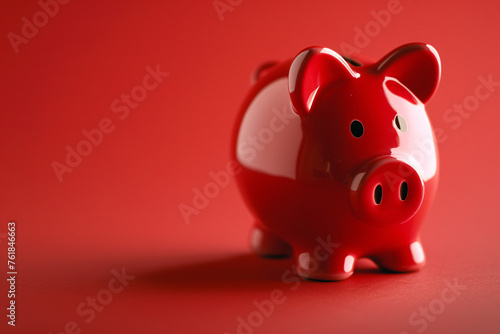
357,128
403,191
377,195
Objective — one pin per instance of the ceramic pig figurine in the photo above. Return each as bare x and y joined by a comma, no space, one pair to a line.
339,159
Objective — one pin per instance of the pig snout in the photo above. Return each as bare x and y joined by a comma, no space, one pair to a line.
386,191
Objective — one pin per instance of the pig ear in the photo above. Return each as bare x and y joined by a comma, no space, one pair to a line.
417,66
311,70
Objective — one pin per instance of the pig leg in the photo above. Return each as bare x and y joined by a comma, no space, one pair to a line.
409,258
266,244
322,266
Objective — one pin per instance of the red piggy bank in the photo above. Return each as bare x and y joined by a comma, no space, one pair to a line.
339,160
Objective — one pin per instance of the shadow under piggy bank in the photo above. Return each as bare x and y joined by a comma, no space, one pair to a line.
247,271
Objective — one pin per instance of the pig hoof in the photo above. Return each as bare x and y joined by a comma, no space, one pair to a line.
407,259
266,244
336,269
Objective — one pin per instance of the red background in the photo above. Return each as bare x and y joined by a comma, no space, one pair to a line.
120,207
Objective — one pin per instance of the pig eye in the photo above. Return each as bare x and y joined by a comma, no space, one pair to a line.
357,128
400,123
